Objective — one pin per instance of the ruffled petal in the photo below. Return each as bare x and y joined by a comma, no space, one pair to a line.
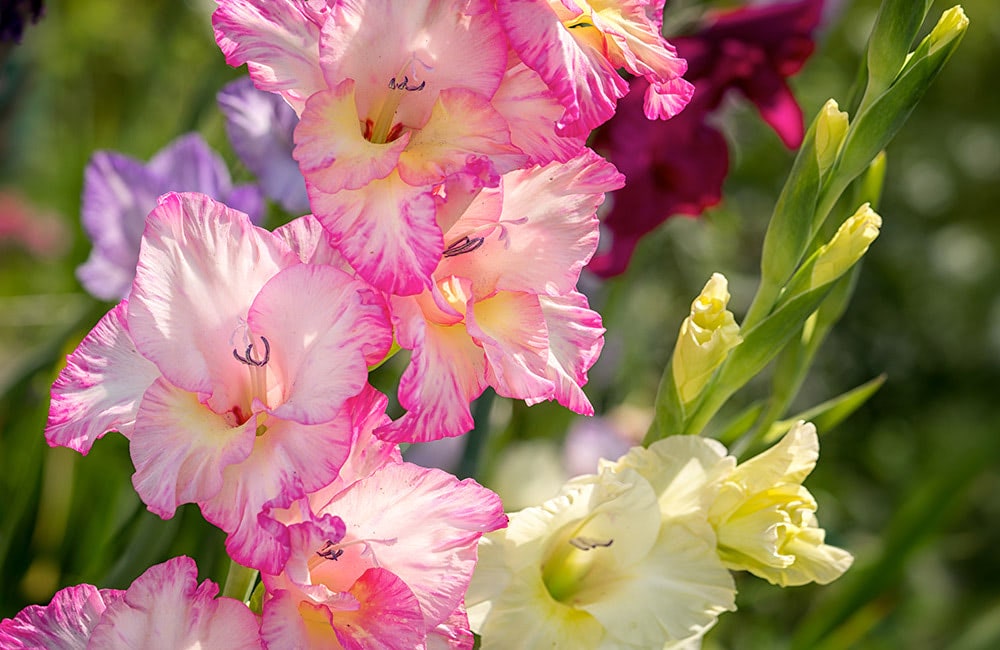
201,267
311,242
387,231
389,615
665,100
279,42
180,448
166,608
331,148
100,388
66,623
453,633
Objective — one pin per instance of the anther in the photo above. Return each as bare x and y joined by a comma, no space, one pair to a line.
330,551
587,543
248,358
463,245
405,84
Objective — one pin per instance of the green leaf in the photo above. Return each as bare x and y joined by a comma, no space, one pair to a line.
831,412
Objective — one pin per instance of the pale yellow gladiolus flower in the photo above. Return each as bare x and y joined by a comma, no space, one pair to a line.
850,242
766,521
705,339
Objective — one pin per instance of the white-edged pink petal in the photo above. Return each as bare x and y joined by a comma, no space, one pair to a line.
424,525
576,337
440,43
453,633
288,460
166,608
664,100
180,448
389,615
511,328
331,148
284,627
532,111
100,388
311,242
66,623
387,231
464,131
324,329
583,80
546,232
446,372
200,267
279,42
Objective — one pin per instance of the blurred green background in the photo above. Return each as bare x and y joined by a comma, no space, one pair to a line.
910,484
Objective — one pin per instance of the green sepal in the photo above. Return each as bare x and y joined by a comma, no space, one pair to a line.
668,410
892,35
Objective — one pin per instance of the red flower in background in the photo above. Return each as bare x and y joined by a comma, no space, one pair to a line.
677,166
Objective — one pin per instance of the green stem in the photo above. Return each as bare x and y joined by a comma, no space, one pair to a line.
239,582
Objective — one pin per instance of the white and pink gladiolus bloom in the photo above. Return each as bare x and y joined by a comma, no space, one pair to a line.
164,608
230,368
577,47
504,310
381,557
381,136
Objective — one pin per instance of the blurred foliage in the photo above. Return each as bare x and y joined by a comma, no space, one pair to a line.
907,483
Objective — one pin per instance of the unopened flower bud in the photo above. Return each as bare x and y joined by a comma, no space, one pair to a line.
831,128
846,247
952,24
705,339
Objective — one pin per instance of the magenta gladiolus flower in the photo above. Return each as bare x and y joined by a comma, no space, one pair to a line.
678,167
260,126
382,557
503,310
577,47
119,191
164,608
229,366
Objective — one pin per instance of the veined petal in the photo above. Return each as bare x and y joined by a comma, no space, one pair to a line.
546,232
201,266
288,460
389,615
166,607
387,231
279,42
433,521
291,624
511,328
440,43
463,129
665,100
532,111
311,242
100,388
584,81
324,328
66,623
453,633
446,372
634,41
180,448
331,148
575,337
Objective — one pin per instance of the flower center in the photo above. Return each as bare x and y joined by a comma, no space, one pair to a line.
384,128
256,363
569,564
339,565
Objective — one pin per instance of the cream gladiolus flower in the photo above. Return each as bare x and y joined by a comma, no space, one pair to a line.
766,520
621,559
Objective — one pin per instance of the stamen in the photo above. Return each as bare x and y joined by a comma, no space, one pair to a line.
588,543
464,245
330,551
248,358
405,84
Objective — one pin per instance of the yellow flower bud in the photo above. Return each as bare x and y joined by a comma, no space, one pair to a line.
831,128
705,339
766,521
952,24
846,247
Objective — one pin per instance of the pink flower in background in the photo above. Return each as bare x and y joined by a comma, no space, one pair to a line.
119,191
503,310
260,126
230,364
678,167
381,557
577,47
22,224
164,608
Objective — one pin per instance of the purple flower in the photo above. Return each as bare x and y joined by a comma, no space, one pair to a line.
678,166
260,126
119,191
13,16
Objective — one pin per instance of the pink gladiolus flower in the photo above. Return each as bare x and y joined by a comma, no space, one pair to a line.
678,167
382,557
229,366
164,608
577,46
503,310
